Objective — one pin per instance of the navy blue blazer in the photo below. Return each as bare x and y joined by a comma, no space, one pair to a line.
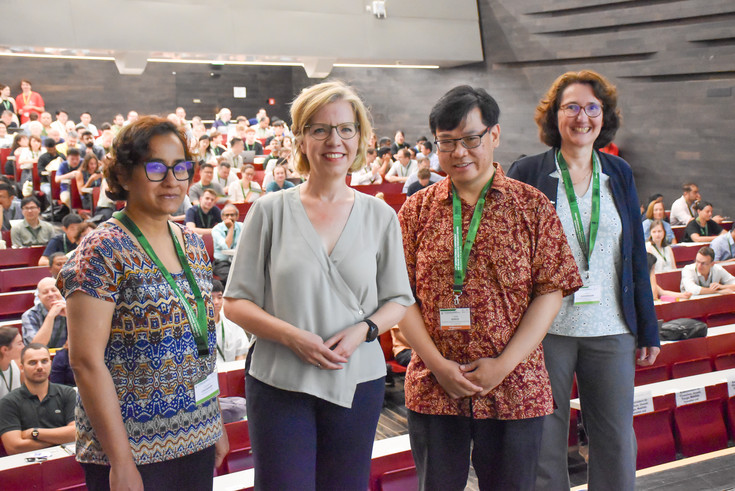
635,283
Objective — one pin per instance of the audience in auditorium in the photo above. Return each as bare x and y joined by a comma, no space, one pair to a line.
423,180
369,173
702,228
704,277
403,168
7,103
658,292
682,210
32,231
225,177
45,322
225,236
656,211
232,341
85,119
88,177
658,245
67,171
251,144
65,242
28,102
11,344
45,160
202,217
724,246
422,162
206,181
61,371
87,145
38,414
246,190
399,142
9,207
233,156
486,364
279,181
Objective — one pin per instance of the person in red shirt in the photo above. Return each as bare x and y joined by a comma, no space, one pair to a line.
476,386
28,102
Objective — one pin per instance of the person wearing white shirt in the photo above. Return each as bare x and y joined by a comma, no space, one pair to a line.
11,344
370,173
224,175
724,246
232,341
426,149
682,210
422,162
704,277
246,190
401,170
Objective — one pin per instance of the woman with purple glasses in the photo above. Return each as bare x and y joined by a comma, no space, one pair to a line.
141,329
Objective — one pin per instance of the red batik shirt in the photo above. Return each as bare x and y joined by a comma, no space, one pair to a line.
520,252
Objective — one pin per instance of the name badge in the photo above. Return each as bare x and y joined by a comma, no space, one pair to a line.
588,295
455,319
206,388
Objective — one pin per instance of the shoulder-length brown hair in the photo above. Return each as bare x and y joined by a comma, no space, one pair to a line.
548,108
132,146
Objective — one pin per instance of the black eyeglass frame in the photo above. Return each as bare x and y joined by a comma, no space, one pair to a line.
189,170
331,128
438,143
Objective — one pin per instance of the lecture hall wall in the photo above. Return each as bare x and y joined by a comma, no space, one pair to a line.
673,62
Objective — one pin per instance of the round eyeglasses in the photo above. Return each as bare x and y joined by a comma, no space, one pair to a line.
321,131
471,141
592,109
156,171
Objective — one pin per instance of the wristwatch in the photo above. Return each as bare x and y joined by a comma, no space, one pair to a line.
34,433
373,331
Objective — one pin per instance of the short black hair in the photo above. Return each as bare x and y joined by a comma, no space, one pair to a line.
427,144
701,205
707,251
29,199
4,186
234,141
453,107
73,151
32,346
217,286
71,219
383,150
53,256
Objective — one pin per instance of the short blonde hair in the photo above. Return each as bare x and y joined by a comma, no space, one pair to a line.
311,100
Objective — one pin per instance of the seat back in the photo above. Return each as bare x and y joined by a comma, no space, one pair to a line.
16,279
724,361
399,480
650,375
236,382
12,305
22,478
655,437
700,427
64,473
691,367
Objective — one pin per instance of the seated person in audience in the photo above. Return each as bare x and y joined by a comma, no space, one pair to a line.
203,217
11,344
279,128
71,141
61,372
6,139
205,153
206,181
251,144
66,242
85,119
132,117
68,170
233,155
724,246
656,211
385,158
657,291
223,119
225,176
45,322
370,173
45,159
89,177
400,170
423,181
232,341
38,414
682,210
422,162
32,231
658,245
426,149
702,228
704,277
87,146
263,130
399,142
246,190
279,182
9,208
401,349
225,236
219,139
56,261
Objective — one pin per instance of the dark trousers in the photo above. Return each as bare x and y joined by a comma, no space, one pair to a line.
504,453
193,472
301,442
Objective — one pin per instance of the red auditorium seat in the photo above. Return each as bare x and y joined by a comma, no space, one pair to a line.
650,375
209,245
21,257
725,361
655,438
380,466
717,345
240,456
12,305
399,480
222,381
65,473
236,382
685,349
18,279
730,407
700,427
691,367
23,478
386,343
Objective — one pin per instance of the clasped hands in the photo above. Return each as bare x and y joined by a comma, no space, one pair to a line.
469,379
331,354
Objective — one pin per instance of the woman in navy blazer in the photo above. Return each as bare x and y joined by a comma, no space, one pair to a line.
600,341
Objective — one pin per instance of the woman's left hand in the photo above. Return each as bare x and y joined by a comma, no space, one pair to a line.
488,373
346,341
221,448
645,357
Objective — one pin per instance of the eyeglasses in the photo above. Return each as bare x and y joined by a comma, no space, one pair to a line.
472,141
30,208
592,109
156,171
320,131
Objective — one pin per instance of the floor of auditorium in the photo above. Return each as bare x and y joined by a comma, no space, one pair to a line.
713,472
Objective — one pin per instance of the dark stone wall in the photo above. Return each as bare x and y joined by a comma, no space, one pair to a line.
673,62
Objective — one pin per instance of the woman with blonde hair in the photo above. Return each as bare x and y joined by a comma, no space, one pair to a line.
315,378
656,211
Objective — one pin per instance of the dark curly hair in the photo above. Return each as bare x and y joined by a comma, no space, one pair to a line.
548,107
132,146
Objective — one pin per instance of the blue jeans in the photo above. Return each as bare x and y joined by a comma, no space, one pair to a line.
504,452
302,442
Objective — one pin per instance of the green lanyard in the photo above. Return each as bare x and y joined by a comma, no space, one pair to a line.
9,386
65,246
462,249
660,253
208,223
219,350
703,230
198,320
587,248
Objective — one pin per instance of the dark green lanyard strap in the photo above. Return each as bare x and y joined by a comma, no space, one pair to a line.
198,320
65,246
587,247
8,386
219,350
208,223
660,253
244,194
462,249
703,230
